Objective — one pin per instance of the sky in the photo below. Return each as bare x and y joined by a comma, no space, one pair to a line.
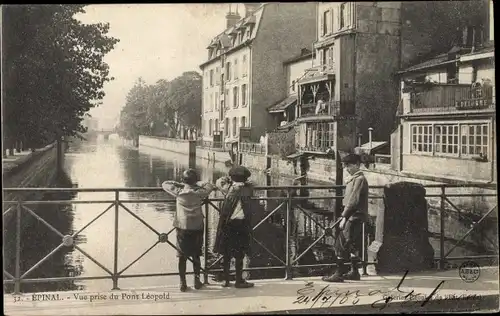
157,41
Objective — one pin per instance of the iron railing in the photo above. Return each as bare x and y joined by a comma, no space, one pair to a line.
451,97
210,144
257,148
118,205
329,108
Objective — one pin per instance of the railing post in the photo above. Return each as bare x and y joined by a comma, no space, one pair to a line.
363,249
441,227
288,269
205,252
115,263
17,284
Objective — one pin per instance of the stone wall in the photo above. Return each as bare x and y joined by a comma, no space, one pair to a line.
38,169
180,146
212,155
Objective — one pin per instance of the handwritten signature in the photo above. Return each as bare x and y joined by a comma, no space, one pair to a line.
331,296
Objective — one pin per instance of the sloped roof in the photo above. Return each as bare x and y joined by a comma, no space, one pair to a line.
305,53
439,60
252,19
283,104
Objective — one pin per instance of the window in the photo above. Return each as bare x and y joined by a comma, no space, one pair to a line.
228,71
236,69
244,66
244,95
326,22
320,136
228,98
217,101
235,126
421,139
226,127
452,73
243,121
217,75
216,126
211,103
210,128
460,140
235,97
324,55
446,139
211,77
342,15
474,140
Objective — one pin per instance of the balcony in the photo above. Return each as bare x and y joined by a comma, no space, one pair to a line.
318,73
448,98
328,109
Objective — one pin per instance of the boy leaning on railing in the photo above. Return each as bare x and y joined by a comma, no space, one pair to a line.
189,221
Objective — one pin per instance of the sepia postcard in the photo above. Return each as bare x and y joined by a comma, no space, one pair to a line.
249,158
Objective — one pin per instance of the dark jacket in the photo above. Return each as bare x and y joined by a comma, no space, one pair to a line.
236,192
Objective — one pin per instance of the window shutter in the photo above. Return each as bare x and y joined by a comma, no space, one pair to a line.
335,26
321,24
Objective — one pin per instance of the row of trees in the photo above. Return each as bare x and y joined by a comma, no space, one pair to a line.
53,70
162,109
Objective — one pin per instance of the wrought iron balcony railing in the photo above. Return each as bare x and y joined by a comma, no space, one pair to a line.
329,108
253,148
448,97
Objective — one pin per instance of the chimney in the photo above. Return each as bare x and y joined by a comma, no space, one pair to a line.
250,8
232,18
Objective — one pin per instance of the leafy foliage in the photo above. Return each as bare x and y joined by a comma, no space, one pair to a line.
54,71
161,109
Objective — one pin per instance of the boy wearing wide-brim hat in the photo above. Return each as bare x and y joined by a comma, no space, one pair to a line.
234,229
348,244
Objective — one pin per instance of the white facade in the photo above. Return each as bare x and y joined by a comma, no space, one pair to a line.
233,95
295,71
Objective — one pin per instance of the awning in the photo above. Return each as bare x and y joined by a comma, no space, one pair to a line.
365,148
295,155
287,125
283,104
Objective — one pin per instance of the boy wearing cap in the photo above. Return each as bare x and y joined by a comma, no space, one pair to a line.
234,229
188,221
349,240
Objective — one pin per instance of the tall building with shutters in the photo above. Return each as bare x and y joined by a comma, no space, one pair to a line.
243,73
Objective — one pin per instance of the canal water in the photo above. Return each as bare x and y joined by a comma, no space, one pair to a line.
107,164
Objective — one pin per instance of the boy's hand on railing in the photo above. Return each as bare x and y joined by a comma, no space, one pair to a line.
342,223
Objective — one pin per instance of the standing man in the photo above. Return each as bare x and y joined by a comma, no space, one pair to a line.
348,244
188,221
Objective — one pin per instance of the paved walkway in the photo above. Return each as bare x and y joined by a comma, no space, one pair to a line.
12,161
300,295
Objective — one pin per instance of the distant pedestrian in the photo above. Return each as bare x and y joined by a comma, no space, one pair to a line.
189,221
348,244
234,229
